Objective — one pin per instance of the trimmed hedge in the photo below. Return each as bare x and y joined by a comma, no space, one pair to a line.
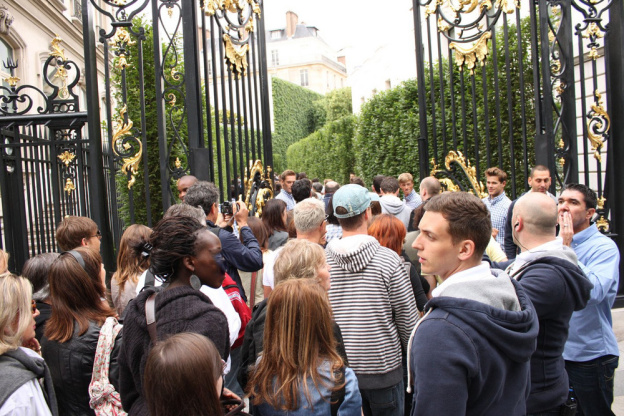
326,153
295,117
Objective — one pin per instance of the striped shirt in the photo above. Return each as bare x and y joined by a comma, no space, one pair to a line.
413,200
498,208
288,198
373,303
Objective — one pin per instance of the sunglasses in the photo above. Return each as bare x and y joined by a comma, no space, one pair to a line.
33,305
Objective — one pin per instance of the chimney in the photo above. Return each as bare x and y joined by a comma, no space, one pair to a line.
291,23
343,60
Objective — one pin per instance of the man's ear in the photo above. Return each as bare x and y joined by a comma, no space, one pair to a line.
466,250
84,242
590,213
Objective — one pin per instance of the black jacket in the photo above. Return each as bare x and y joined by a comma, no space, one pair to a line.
253,342
71,366
557,287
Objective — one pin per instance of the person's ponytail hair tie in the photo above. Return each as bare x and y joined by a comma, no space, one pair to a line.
146,249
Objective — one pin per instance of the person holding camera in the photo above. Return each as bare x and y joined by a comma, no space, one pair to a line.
243,254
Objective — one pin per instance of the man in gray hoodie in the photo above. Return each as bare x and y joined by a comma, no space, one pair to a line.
390,202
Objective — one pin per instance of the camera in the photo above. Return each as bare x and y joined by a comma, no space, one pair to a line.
226,208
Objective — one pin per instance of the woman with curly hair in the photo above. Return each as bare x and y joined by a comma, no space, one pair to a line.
300,372
179,248
131,263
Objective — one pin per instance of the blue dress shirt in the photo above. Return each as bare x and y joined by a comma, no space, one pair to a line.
591,329
498,208
288,198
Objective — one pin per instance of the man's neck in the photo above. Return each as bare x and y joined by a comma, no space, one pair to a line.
492,196
363,230
464,265
311,237
582,227
536,241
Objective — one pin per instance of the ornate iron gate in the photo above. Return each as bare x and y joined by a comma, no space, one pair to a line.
185,91
514,84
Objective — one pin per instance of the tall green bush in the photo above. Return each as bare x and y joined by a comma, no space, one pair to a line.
326,153
295,117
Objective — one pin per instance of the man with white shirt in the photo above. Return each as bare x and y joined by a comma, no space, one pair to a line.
548,271
479,330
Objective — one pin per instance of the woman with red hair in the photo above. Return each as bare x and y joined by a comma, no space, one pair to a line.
390,232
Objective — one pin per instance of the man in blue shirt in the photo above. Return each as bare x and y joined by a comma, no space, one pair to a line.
497,202
287,179
411,198
591,352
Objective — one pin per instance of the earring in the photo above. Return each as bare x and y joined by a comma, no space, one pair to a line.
195,282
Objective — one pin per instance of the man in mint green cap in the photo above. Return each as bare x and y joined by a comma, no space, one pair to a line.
373,304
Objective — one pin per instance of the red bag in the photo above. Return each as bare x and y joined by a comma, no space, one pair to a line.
230,287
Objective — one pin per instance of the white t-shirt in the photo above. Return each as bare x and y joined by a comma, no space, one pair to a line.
28,400
268,278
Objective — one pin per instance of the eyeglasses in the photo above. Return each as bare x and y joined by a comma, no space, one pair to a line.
33,305
98,234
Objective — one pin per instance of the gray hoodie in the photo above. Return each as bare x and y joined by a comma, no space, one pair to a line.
392,205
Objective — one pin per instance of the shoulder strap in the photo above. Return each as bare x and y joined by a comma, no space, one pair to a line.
252,289
215,230
338,396
150,280
150,316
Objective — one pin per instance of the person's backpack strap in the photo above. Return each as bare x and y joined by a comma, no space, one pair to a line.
338,396
150,280
215,230
150,316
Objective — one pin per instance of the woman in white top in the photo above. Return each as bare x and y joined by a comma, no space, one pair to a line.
23,371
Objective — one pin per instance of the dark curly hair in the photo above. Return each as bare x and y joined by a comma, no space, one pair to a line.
172,239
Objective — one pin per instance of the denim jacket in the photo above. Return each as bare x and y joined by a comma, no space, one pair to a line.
351,406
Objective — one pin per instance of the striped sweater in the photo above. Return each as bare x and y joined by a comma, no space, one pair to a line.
374,306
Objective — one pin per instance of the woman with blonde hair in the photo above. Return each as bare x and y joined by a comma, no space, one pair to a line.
190,360
299,259
131,263
300,371
24,372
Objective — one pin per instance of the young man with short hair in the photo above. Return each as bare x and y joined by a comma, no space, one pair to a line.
591,352
390,202
373,304
75,232
410,197
287,179
497,202
470,353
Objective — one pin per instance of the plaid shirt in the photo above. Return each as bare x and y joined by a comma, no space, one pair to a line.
498,211
413,200
333,232
288,198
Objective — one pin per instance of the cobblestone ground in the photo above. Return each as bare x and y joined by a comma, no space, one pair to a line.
618,327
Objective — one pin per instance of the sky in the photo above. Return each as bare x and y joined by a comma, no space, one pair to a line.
362,24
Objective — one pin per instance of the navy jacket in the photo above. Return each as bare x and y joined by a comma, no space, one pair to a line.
245,256
556,287
470,355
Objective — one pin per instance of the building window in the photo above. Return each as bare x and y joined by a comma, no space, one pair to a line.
274,57
304,77
276,34
6,52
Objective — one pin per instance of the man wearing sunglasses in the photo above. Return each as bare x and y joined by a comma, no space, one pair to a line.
75,232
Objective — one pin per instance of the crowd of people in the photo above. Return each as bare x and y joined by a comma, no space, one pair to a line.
340,300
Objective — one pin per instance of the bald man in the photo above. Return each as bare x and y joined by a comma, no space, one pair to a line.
549,273
184,183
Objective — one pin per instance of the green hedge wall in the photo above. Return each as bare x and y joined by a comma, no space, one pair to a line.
387,129
294,115
326,153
